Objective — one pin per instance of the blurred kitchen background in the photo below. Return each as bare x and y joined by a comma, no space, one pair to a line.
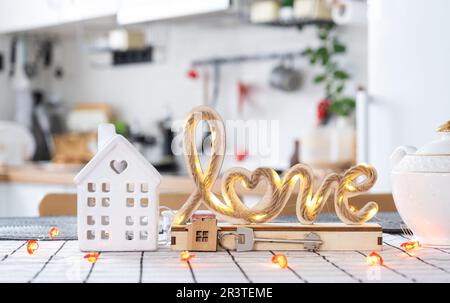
68,65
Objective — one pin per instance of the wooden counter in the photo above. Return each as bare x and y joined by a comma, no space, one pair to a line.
54,174
39,174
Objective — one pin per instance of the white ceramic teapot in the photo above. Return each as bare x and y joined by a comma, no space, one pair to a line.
421,188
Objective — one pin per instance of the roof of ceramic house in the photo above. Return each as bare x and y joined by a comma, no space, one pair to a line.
106,149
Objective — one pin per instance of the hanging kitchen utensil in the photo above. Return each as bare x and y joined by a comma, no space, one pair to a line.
285,77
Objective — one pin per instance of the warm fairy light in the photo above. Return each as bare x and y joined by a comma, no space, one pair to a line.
350,187
259,217
374,259
294,179
372,213
219,203
32,246
92,257
410,245
186,256
312,203
54,232
280,260
276,178
198,168
352,208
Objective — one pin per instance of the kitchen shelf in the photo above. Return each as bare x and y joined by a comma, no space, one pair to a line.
298,23
245,58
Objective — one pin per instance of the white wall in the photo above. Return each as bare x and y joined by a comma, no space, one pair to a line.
140,92
409,72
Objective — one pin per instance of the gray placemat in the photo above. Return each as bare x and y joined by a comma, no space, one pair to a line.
38,228
391,222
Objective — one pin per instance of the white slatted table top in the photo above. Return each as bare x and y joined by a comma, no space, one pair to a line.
61,261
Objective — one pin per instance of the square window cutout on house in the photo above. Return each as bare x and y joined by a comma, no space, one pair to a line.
144,220
144,202
130,187
90,235
90,220
129,221
106,187
106,201
129,235
105,220
201,236
144,188
130,202
91,187
105,235
91,201
143,235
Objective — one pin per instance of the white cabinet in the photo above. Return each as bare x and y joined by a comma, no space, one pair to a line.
77,10
20,15
135,11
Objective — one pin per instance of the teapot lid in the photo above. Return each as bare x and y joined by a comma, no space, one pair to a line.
434,157
439,147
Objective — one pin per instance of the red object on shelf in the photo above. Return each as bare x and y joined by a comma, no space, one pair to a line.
241,155
322,110
243,90
192,73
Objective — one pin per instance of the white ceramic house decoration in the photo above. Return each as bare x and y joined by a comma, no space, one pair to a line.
117,197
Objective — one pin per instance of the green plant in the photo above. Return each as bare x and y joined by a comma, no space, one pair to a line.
332,76
287,3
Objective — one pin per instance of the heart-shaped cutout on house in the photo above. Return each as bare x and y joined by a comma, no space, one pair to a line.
118,166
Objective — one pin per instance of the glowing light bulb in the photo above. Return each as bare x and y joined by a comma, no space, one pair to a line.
372,213
294,179
410,245
350,187
32,246
219,203
280,260
259,217
186,256
54,232
92,257
374,259
276,179
352,208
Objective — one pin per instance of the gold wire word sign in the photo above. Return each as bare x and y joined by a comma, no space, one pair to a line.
234,211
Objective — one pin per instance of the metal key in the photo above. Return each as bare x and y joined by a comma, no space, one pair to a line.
245,240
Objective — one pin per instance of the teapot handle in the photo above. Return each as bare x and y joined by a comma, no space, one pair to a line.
399,153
